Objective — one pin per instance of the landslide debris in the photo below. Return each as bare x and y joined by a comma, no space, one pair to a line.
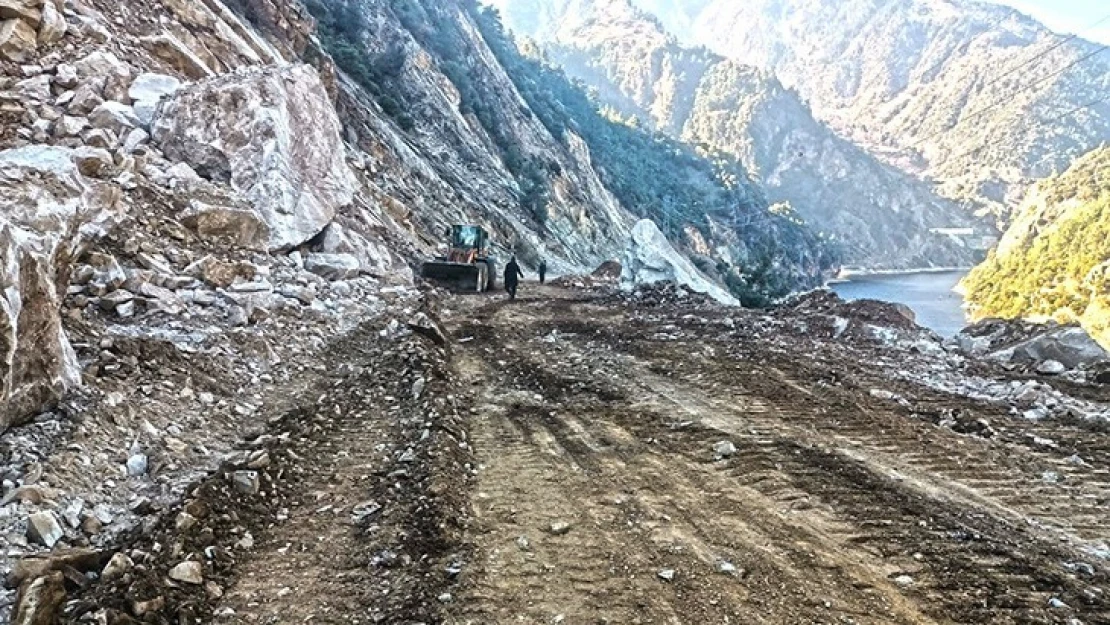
361,486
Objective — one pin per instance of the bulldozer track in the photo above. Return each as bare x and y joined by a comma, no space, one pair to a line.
835,506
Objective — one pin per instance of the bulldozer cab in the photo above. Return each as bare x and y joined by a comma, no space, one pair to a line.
467,237
467,244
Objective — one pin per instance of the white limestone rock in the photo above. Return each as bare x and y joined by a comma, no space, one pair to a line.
46,210
274,136
651,258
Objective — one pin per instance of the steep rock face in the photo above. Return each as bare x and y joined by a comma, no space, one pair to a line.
949,89
880,216
883,218
651,258
273,136
454,168
44,205
1052,262
495,138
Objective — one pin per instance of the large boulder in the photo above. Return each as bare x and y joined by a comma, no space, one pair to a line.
115,116
53,25
373,256
239,227
651,258
46,206
18,41
273,135
1069,345
333,266
29,11
107,73
147,91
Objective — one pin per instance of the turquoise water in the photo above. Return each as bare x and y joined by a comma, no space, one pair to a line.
930,295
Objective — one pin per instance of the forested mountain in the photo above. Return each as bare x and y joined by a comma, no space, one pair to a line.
882,217
978,96
453,81
1055,260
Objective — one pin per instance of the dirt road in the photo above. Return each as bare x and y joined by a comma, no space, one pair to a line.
579,458
601,497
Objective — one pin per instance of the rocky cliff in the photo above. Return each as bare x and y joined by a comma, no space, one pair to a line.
1052,263
881,216
169,167
976,95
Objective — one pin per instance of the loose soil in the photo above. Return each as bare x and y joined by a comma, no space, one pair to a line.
560,463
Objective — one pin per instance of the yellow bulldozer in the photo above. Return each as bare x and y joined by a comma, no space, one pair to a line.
468,265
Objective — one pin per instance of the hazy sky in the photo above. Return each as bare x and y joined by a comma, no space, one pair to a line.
1070,16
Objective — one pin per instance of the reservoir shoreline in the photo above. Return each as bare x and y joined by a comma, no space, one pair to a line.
932,294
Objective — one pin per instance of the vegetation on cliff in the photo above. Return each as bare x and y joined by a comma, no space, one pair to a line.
1055,260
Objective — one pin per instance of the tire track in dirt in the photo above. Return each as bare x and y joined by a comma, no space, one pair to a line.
562,457
367,537
829,502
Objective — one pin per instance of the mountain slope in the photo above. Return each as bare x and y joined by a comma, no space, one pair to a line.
942,87
144,143
574,179
880,216
1054,261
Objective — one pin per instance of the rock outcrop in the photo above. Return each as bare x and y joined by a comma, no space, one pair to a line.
1031,345
650,258
272,135
45,204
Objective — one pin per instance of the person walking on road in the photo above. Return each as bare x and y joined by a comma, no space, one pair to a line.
512,275
543,270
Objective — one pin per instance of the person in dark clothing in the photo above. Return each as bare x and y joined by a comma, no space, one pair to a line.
543,271
512,274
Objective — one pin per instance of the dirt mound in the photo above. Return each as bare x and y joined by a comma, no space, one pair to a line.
610,270
825,302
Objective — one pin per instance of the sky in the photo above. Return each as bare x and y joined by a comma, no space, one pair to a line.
1069,16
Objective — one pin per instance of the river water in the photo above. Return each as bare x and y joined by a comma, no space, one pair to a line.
930,295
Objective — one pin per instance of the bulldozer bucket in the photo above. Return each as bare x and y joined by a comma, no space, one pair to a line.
457,276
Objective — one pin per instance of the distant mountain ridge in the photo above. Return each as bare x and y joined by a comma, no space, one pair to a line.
945,88
881,216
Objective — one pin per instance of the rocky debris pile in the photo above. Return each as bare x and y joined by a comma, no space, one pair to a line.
650,258
150,279
606,276
864,311
83,154
663,294
27,25
182,340
180,565
1047,349
850,333
167,392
